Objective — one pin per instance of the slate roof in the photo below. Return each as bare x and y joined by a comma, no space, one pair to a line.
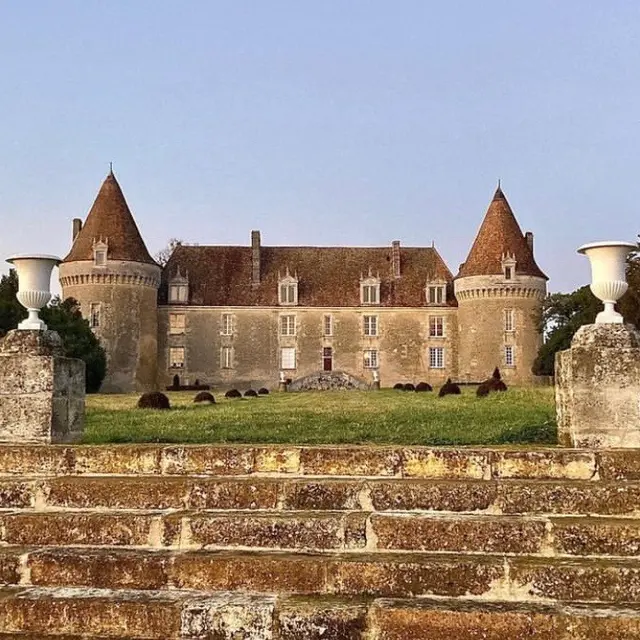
327,276
499,234
110,220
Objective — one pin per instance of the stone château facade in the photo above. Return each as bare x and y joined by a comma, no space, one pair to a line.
238,316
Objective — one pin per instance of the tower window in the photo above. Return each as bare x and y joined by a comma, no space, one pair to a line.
100,249
509,356
176,357
508,273
509,320
436,326
94,315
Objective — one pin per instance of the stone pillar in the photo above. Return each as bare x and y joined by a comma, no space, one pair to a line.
41,392
598,388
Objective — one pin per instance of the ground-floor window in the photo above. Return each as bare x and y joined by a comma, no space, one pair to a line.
436,357
327,359
176,357
288,358
226,357
371,359
509,356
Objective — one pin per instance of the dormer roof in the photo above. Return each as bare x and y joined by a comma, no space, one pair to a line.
110,221
499,235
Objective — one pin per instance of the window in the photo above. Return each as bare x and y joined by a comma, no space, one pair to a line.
436,294
287,358
287,325
509,356
327,359
508,273
100,249
509,320
436,326
227,324
94,315
226,357
176,323
436,357
178,293
370,293
371,359
176,357
370,325
288,293
327,325
508,265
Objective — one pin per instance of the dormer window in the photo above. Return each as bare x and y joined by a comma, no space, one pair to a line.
179,289
436,293
100,250
508,266
370,289
288,290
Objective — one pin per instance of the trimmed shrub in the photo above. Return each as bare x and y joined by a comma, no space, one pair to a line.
449,388
495,384
409,387
233,393
483,390
176,380
496,374
204,396
153,400
424,386
250,393
398,386
263,391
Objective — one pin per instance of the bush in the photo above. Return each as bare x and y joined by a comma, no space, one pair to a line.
250,393
424,386
409,387
483,390
449,388
263,391
233,393
398,386
153,400
204,396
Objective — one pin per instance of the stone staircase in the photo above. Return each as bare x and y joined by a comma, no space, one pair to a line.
318,543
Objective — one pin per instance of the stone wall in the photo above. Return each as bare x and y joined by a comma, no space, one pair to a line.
402,344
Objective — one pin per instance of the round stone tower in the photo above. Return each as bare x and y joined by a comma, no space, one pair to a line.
111,274
500,290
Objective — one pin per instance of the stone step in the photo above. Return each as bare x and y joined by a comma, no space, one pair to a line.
490,577
449,619
363,461
327,531
91,613
31,613
463,496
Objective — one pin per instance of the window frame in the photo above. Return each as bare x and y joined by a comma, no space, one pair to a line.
434,326
172,360
436,358
327,325
369,362
226,357
370,325
178,293
227,324
440,291
370,293
509,355
287,326
95,311
291,352
510,320
177,330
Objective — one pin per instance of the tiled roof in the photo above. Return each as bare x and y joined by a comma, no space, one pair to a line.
499,234
327,276
110,221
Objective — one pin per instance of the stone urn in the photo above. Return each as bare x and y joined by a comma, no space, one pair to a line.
34,286
608,277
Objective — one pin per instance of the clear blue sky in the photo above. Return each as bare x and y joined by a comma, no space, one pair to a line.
324,122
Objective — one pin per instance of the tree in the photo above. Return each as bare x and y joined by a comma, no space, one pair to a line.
162,257
65,318
78,339
564,313
11,311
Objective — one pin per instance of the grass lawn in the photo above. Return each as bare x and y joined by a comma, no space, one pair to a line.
325,417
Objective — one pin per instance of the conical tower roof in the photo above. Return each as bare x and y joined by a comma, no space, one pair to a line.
110,221
499,235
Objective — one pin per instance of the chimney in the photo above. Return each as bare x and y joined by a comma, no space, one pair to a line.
255,258
395,258
529,238
77,225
